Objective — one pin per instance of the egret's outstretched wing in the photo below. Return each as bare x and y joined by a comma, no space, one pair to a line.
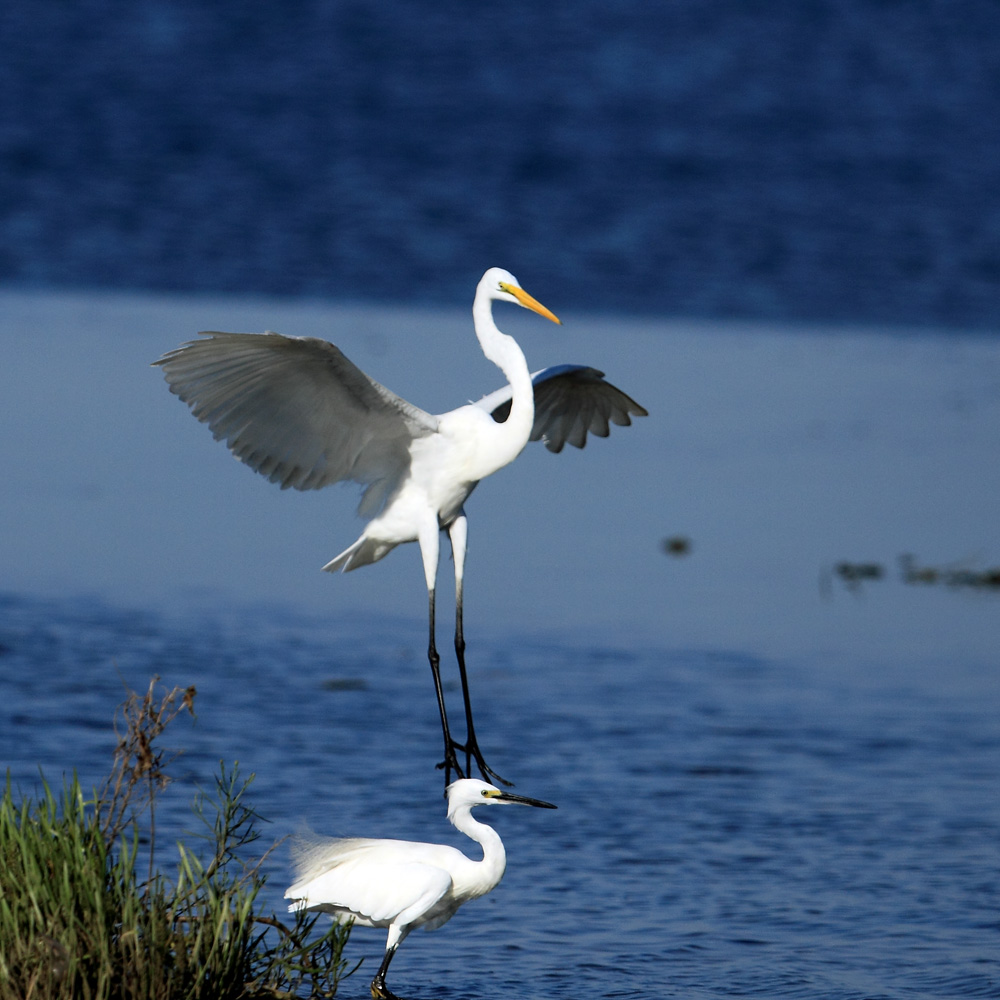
570,400
296,410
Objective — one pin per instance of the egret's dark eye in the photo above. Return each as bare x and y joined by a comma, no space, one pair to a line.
485,793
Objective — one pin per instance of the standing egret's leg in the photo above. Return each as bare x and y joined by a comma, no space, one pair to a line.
379,990
429,551
458,532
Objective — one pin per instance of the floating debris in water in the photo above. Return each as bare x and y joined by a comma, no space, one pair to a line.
677,546
854,573
914,574
345,684
949,576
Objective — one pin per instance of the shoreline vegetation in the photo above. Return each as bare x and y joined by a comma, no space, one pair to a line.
85,912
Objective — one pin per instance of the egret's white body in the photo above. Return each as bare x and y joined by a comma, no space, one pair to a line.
400,884
297,411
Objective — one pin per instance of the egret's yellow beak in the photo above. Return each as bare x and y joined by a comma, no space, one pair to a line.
528,302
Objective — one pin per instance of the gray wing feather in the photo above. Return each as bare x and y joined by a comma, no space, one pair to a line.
296,410
570,402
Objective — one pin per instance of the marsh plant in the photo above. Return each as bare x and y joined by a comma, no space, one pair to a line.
86,913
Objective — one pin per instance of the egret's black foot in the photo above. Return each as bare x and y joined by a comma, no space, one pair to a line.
382,992
450,763
485,770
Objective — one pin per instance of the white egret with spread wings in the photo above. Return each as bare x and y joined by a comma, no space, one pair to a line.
298,412
400,884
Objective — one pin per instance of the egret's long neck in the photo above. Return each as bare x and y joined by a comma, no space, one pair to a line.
490,870
504,352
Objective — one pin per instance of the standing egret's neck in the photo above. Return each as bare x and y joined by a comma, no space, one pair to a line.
504,352
494,863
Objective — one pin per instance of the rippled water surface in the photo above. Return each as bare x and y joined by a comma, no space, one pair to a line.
785,161
728,825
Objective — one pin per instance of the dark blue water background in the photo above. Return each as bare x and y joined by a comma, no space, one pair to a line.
817,160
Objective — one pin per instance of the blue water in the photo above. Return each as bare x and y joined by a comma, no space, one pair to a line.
728,825
817,160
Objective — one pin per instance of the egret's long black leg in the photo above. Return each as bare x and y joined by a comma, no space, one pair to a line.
379,990
470,737
471,743
450,762
458,533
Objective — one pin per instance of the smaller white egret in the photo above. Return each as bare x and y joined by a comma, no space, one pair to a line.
401,884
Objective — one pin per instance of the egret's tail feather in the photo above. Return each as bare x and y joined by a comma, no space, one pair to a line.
364,551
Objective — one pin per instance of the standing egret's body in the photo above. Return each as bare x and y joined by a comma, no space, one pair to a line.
399,884
297,411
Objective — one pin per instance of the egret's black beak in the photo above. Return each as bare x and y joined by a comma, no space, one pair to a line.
523,800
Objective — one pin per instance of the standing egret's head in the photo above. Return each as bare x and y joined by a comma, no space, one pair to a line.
473,792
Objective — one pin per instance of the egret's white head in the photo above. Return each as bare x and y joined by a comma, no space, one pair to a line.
501,286
469,792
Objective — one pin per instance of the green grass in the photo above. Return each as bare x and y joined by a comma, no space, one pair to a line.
86,915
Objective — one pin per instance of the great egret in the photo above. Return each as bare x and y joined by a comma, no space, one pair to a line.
400,884
297,411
